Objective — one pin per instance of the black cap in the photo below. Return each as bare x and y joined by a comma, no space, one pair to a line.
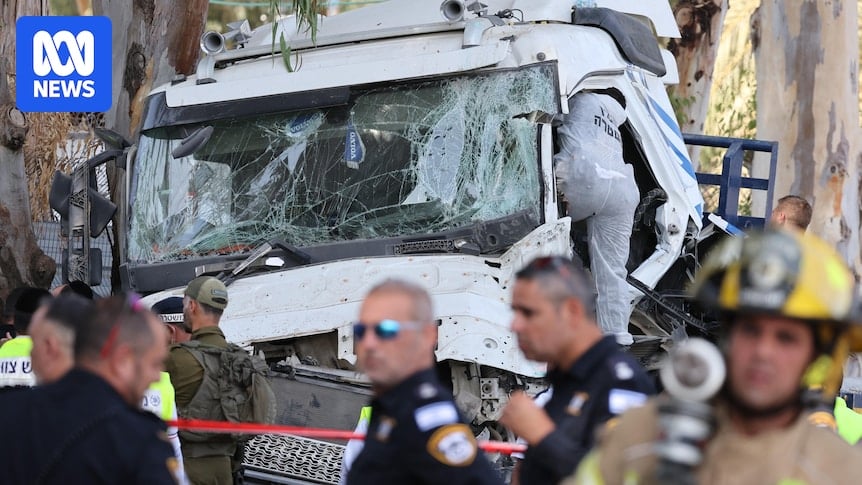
170,310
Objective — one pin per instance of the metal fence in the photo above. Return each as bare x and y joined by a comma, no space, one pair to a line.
48,238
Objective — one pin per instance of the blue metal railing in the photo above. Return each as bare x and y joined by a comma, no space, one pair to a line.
730,180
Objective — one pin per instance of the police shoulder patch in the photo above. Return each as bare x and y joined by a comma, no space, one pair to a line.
620,400
173,466
453,445
426,391
623,370
435,414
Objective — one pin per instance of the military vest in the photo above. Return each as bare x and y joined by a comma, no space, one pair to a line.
234,388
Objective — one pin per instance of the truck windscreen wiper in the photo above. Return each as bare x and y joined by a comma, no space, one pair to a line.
262,250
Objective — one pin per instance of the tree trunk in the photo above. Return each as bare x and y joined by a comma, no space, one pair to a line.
807,67
153,41
22,262
733,97
700,24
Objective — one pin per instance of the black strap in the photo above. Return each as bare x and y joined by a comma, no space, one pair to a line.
73,439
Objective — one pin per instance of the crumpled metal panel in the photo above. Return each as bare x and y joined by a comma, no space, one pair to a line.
296,457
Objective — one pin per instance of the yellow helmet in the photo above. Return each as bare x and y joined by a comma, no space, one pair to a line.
794,275
778,272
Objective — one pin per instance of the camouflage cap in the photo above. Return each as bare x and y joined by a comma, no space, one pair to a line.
208,290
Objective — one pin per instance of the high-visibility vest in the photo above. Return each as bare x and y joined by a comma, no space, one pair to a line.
159,398
353,447
15,367
849,422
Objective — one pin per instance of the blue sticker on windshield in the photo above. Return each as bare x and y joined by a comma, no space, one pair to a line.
302,125
354,149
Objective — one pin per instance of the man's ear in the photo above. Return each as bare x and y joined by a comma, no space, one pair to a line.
430,332
574,308
52,346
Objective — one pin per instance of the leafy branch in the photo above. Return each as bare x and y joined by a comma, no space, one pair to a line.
306,21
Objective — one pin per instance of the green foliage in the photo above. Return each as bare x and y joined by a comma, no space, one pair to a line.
733,112
63,7
306,18
285,56
680,106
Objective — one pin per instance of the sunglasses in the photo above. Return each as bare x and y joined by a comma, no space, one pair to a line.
384,330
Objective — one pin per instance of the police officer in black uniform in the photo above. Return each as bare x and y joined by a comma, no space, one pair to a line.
591,379
88,427
416,434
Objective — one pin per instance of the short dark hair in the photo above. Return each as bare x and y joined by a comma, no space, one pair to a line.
210,309
117,320
560,279
70,310
26,305
796,209
11,298
79,288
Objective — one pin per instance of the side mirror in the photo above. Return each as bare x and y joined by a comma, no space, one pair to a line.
101,209
112,139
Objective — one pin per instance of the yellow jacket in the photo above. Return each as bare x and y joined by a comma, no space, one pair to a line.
15,367
849,422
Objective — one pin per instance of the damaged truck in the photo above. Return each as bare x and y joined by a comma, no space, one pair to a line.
411,139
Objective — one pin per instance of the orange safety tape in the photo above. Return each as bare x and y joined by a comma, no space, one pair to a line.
323,433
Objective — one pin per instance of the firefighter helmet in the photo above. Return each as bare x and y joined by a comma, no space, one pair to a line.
778,272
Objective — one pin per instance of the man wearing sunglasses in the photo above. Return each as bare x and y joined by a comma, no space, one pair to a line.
592,380
416,434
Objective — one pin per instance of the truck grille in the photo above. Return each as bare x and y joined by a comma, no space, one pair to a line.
291,456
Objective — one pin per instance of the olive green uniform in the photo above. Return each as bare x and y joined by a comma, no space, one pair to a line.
205,463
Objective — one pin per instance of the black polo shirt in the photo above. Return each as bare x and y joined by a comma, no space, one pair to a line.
601,384
417,435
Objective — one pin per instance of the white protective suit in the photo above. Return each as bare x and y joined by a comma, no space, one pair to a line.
600,187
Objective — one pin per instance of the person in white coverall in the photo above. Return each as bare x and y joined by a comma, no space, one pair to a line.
600,187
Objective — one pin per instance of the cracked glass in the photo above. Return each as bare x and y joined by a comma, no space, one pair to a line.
399,160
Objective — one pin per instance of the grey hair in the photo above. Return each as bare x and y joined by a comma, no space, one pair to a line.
422,309
561,279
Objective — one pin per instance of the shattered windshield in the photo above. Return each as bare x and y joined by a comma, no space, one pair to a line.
404,159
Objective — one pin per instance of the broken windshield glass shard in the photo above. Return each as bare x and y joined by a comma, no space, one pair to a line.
438,165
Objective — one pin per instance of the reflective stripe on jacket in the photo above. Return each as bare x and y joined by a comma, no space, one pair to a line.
159,398
15,367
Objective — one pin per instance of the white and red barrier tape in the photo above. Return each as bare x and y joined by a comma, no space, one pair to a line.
503,447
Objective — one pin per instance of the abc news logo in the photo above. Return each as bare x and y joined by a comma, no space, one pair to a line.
64,64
